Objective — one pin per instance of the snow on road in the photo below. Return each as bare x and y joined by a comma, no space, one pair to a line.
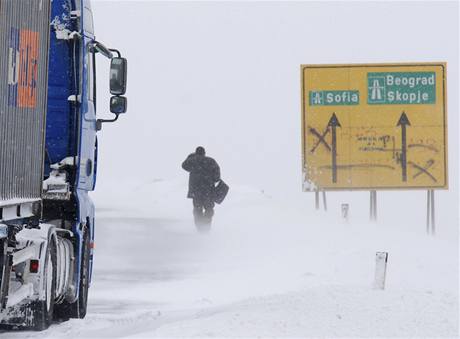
271,266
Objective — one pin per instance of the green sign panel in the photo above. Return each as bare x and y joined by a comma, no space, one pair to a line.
333,98
401,88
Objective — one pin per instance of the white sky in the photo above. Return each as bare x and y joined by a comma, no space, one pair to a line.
226,76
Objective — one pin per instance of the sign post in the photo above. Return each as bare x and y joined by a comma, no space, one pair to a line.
317,200
430,213
324,201
373,206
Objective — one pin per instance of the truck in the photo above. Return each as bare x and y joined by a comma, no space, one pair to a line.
48,156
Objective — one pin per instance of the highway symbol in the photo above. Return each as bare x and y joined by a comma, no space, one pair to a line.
376,90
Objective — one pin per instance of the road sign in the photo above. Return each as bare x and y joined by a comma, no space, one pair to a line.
374,126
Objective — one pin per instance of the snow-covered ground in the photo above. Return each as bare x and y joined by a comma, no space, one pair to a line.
271,266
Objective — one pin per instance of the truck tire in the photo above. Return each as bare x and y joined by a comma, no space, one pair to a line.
77,309
4,272
42,310
84,278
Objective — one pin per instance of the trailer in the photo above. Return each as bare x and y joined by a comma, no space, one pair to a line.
48,156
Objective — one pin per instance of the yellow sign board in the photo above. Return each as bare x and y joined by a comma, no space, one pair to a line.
374,126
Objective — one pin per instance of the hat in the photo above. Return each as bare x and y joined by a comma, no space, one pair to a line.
200,150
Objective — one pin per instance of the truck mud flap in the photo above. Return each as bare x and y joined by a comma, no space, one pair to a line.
20,315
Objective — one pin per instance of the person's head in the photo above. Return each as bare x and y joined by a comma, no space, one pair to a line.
200,150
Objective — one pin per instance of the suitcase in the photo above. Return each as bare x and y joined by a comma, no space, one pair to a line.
220,192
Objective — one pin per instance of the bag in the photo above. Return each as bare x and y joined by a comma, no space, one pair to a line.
220,192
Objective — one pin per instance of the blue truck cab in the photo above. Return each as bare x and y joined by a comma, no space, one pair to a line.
56,271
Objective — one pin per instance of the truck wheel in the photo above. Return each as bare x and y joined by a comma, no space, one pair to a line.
42,310
77,309
4,272
84,278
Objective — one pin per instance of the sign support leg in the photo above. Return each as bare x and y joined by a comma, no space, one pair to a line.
430,213
433,225
370,206
373,205
324,201
317,199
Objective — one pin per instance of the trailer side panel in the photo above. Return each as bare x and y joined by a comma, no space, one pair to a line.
24,40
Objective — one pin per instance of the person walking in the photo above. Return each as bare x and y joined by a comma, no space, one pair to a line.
204,174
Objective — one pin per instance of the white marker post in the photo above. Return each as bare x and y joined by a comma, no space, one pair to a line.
381,259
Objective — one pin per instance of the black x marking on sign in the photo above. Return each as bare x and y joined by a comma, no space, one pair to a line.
423,169
321,139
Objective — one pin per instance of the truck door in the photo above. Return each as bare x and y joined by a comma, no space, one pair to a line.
86,177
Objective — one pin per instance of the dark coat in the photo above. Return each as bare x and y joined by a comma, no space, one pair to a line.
204,173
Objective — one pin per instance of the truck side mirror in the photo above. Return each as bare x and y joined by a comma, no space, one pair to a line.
118,74
118,104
